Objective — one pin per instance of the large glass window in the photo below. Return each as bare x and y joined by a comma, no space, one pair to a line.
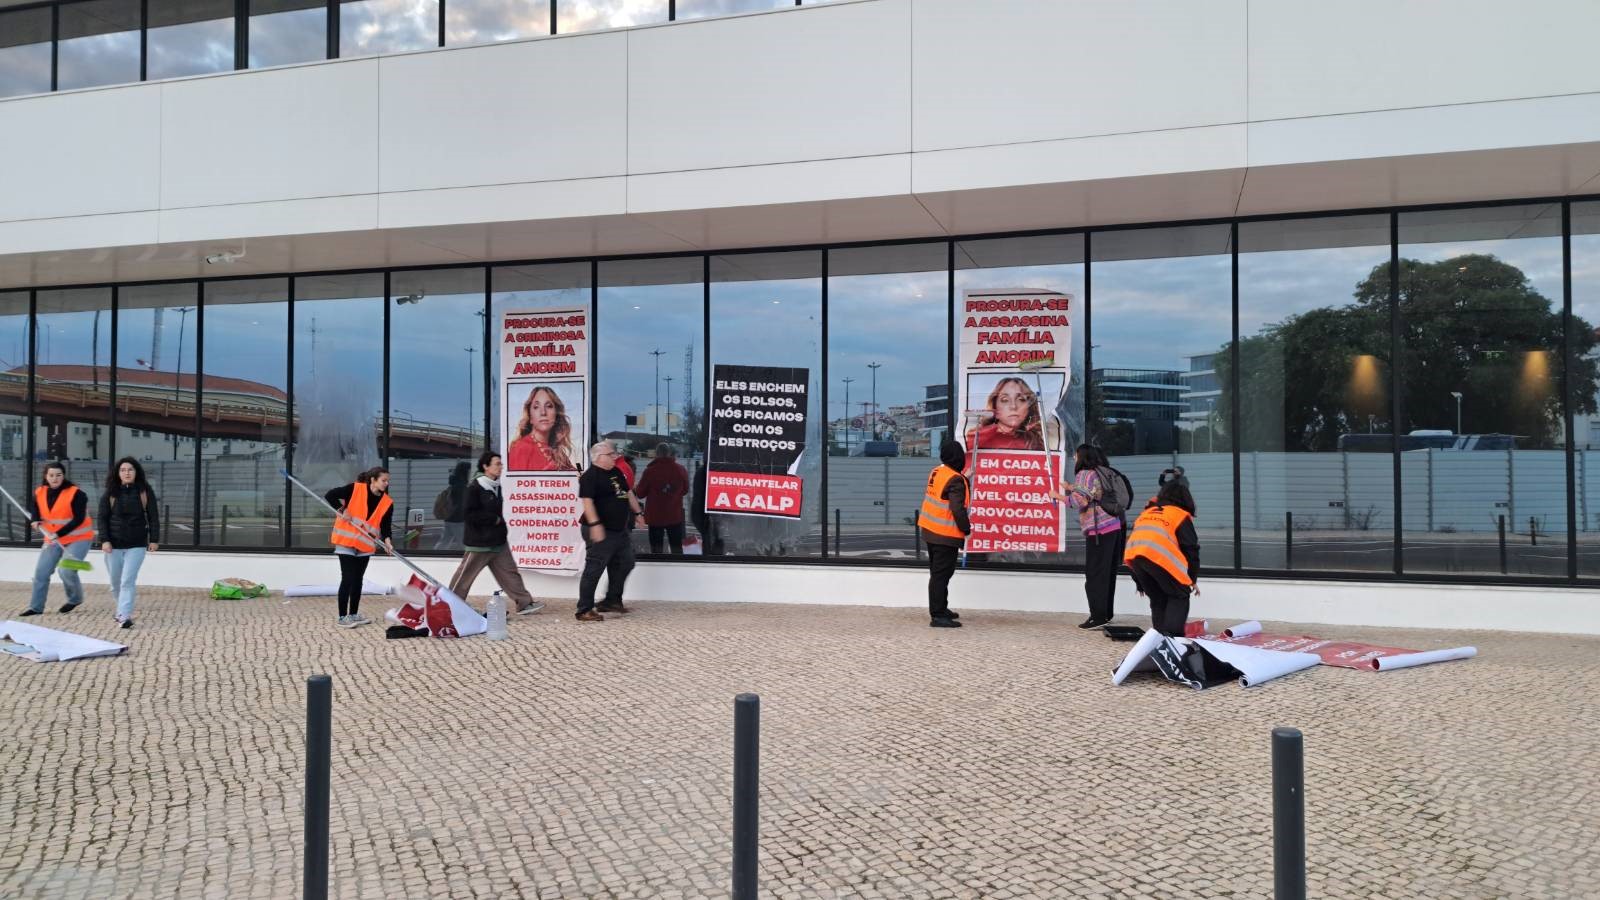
589,15
188,37
766,310
338,391
1316,436
287,31
485,21
1481,436
24,51
1053,263
1585,381
651,327
244,413
436,398
889,334
367,27
702,9
16,471
524,288
157,331
99,43
72,385
1162,314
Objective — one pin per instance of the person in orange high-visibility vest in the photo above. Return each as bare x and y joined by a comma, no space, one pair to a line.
1163,553
365,510
944,526
59,511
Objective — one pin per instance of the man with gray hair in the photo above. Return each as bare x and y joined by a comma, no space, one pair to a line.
607,503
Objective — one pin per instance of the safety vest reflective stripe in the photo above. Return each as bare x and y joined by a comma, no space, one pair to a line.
1155,537
52,518
347,535
935,515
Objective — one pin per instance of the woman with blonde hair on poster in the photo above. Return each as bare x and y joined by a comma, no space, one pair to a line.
543,441
1011,420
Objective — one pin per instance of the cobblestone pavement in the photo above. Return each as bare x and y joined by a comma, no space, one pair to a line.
898,761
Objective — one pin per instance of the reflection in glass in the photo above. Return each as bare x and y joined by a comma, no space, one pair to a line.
287,31
24,51
436,397
338,390
1482,433
188,37
1586,381
16,472
367,27
1317,468
245,405
524,288
72,385
486,21
590,15
1163,314
1053,263
157,346
888,331
705,9
766,310
99,43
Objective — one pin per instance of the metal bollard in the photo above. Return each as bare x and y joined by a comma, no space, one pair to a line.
1288,539
1288,815
319,759
223,536
1502,545
746,783
836,531
1533,532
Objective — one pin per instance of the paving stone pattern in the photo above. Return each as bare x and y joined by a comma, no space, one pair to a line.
594,760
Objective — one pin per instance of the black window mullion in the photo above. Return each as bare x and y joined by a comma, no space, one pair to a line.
55,47
823,430
1088,339
553,15
144,46
241,34
1567,361
672,10
287,518
594,361
1233,405
111,381
199,403
333,29
383,444
441,22
1395,381
29,441
488,337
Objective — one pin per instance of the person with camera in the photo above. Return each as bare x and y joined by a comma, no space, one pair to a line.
1163,553
1101,495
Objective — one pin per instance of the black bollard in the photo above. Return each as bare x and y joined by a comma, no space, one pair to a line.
1288,815
746,782
319,759
1533,532
222,539
1288,539
836,531
1502,545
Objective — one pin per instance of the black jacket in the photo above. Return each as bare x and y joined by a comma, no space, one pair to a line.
952,456
80,506
124,522
484,524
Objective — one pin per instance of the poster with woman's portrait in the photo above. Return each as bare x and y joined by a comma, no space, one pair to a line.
1018,411
545,426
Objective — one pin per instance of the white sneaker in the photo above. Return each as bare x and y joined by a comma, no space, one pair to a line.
347,622
531,608
359,619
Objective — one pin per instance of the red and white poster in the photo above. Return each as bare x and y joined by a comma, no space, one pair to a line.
544,386
1015,360
756,440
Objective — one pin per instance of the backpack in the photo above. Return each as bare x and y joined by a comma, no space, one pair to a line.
442,506
1116,493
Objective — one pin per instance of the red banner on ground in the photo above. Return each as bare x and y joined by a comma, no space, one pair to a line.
751,493
1344,654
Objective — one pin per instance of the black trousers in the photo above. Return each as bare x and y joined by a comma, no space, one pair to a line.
1102,558
352,574
941,565
614,556
1169,600
667,535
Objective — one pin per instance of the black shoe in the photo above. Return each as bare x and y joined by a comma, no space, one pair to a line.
69,607
29,612
943,623
1092,622
951,614
127,623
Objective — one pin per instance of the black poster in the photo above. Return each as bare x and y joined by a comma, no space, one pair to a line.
757,435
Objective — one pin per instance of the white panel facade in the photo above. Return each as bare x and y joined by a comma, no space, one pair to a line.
824,83
80,154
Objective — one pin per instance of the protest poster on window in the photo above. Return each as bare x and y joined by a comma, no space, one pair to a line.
756,439
1014,365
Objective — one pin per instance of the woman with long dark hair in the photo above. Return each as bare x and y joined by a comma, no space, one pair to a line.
130,522
1164,556
1103,533
366,514
59,511
486,539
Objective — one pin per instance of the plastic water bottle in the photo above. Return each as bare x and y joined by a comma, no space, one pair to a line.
496,614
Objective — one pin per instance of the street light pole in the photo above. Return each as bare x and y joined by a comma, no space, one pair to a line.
847,415
668,380
177,370
874,366
471,352
1457,395
657,354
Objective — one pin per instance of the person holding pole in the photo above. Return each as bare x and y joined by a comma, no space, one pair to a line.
944,526
1103,533
486,538
130,520
1164,556
606,504
366,512
59,511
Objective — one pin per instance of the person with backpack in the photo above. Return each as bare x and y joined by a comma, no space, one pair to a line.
130,521
449,507
487,539
1101,495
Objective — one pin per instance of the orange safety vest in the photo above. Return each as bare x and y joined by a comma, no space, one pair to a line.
1155,537
935,515
52,518
348,535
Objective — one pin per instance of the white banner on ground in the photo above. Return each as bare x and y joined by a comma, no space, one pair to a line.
1407,660
50,645
1243,629
544,391
1257,666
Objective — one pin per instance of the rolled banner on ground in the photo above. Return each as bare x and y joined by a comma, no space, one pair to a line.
1138,657
1196,627
76,565
1258,666
332,590
1407,660
1243,629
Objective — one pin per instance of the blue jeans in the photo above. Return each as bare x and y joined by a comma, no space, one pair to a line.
49,555
124,566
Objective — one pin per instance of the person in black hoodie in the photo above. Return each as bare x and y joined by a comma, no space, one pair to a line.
486,539
130,521
59,511
944,526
